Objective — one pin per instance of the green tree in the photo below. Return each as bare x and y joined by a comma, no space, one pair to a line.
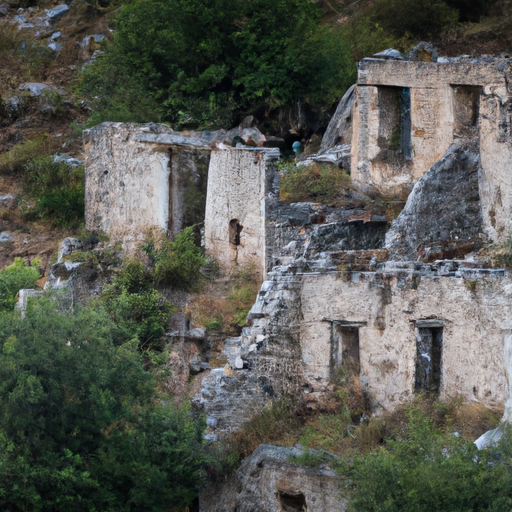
203,62
426,470
81,424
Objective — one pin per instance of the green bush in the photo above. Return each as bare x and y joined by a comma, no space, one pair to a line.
176,263
58,189
201,63
137,309
319,183
420,18
13,278
425,469
81,424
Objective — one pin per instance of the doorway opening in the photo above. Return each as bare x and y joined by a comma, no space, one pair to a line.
345,349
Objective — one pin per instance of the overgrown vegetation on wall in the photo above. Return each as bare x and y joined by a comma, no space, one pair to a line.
325,184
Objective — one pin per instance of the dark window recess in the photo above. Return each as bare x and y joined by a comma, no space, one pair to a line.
406,123
235,228
466,106
428,359
291,500
395,125
345,349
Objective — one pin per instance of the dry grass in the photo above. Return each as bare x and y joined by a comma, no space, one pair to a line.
225,302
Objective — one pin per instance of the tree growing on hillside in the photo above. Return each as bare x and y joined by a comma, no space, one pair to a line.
81,425
201,62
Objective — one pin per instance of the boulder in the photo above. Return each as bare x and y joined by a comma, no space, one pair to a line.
55,14
442,218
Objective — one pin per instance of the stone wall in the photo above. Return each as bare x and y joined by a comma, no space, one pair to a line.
133,184
239,183
388,308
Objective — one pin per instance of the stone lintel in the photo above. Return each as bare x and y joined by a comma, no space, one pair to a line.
427,75
430,323
168,139
346,323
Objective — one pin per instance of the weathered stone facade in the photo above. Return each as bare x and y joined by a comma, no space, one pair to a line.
408,113
268,480
143,176
240,183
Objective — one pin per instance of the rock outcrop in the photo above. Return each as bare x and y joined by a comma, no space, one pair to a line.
442,218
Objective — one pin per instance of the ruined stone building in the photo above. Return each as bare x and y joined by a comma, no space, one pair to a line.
408,306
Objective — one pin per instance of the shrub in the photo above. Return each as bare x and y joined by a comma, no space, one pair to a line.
420,18
13,278
424,469
176,263
17,157
318,183
58,189
81,424
138,310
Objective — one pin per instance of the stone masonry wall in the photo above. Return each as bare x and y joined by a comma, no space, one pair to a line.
434,93
126,181
132,186
475,312
238,182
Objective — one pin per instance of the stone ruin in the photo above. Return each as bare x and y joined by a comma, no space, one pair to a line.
407,307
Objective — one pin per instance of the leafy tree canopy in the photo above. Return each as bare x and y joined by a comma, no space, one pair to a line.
81,425
202,62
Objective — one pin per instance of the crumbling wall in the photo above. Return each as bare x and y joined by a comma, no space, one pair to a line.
126,181
388,309
238,183
268,481
134,184
496,157
441,94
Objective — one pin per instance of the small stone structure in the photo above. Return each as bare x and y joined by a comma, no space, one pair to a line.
241,185
268,480
143,176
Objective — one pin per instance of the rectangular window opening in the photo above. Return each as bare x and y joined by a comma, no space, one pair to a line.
466,107
395,124
345,349
428,358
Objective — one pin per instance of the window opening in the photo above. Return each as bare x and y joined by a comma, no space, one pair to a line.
395,124
235,228
345,349
428,358
466,106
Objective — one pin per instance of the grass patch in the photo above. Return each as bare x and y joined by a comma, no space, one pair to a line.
226,302
325,184
58,190
19,155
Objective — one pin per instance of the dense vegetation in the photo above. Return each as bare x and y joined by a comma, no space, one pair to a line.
202,62
81,423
